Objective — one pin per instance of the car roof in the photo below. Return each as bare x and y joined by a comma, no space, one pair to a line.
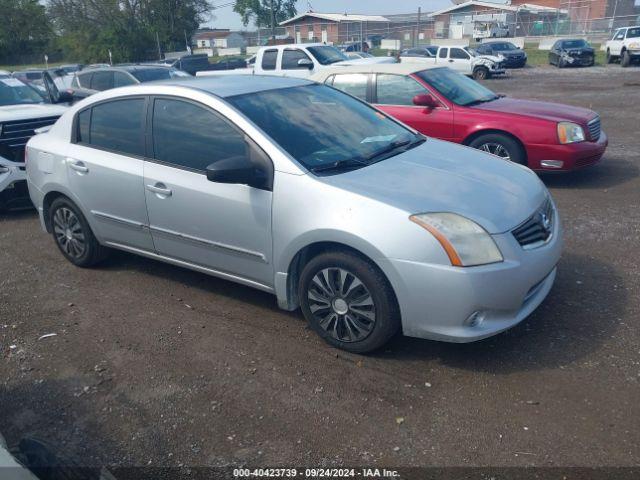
402,68
231,85
126,68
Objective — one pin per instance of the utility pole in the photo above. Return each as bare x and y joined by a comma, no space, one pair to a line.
273,22
158,42
418,26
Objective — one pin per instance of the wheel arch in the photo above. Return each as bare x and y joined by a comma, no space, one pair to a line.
496,131
287,288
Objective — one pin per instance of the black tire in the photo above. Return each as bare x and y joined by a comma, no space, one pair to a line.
82,253
625,59
610,58
515,151
339,327
481,73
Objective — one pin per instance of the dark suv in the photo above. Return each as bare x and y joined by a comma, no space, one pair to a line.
514,57
88,82
188,63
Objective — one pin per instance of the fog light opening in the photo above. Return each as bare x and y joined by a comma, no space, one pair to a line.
475,319
552,163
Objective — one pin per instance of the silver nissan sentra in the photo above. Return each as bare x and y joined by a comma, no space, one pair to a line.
303,191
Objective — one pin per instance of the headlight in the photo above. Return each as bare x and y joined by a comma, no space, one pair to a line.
466,243
570,132
634,45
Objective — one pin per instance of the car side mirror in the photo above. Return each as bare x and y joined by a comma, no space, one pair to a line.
425,100
305,63
65,97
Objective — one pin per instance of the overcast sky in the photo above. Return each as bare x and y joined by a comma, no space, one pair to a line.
227,18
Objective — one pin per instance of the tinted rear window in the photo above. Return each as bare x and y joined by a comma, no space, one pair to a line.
118,126
269,60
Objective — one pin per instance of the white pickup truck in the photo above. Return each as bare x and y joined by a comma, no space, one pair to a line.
625,45
296,60
464,60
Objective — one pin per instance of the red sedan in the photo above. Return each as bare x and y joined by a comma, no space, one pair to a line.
444,104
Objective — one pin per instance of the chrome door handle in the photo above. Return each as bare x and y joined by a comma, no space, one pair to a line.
78,166
159,189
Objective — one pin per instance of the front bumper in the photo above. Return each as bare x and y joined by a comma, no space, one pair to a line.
515,62
13,192
437,301
566,157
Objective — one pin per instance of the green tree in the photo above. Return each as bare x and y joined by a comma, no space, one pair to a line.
24,29
130,29
259,11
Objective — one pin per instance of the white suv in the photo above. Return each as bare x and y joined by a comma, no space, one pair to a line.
625,45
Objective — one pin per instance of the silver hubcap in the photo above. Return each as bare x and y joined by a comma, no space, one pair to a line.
68,232
495,149
341,305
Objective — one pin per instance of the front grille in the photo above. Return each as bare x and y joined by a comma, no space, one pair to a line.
16,134
594,129
537,229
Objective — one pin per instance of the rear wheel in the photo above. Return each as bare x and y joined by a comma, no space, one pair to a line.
72,234
348,301
500,145
610,57
481,73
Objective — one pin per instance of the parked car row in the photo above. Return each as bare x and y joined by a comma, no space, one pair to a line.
298,189
335,193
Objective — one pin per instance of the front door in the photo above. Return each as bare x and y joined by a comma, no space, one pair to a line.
394,95
459,60
105,170
223,227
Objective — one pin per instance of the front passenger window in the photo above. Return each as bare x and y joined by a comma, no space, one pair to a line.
193,137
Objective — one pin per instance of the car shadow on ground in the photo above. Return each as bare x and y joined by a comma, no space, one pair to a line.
608,173
581,313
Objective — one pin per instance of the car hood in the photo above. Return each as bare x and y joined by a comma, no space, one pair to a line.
10,113
532,108
444,177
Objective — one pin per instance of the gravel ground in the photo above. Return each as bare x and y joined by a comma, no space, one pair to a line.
156,365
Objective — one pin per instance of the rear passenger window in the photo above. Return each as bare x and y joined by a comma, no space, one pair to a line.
443,53
190,136
85,80
102,81
84,119
352,83
269,59
118,126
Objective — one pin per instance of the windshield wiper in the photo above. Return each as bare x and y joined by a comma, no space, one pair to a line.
384,152
483,100
340,165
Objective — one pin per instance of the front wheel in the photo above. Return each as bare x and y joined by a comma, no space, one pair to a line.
500,145
481,73
625,60
348,301
72,234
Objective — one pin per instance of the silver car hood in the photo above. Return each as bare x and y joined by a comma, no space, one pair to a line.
443,177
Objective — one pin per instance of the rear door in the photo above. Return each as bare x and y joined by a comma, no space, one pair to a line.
394,95
223,227
105,170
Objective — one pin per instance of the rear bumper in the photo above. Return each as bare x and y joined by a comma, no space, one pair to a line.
566,157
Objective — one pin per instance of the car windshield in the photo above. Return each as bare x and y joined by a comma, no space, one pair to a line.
501,47
633,32
327,55
574,44
152,74
15,92
456,87
325,129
